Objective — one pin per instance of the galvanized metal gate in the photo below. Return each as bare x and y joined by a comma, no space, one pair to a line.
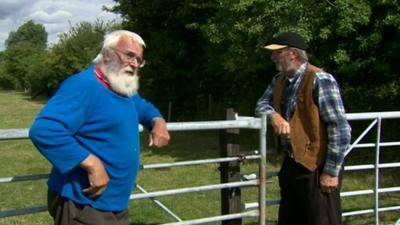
256,209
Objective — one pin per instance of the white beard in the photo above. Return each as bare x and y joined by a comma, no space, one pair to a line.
280,67
124,81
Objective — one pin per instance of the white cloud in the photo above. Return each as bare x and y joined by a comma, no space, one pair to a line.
56,16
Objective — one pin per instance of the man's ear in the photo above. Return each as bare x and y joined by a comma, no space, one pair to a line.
295,54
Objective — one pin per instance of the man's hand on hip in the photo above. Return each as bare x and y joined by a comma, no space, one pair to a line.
97,176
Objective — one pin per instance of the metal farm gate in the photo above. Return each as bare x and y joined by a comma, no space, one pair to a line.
232,209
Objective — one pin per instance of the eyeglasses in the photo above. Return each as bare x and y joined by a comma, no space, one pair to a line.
130,57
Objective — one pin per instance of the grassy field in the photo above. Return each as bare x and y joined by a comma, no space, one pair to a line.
18,157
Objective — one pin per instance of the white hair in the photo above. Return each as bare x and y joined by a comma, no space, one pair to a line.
111,40
302,54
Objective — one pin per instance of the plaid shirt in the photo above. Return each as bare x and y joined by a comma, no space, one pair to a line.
326,94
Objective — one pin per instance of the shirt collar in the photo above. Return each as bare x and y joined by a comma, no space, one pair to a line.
101,77
298,72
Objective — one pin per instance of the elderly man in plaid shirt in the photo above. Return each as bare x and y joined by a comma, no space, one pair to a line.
305,109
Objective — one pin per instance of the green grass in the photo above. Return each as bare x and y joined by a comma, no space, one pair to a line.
19,157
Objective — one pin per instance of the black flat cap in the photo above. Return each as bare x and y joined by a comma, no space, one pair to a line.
287,39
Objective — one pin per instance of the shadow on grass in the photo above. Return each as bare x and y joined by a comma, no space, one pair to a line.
39,99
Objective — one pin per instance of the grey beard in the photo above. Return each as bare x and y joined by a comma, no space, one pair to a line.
288,68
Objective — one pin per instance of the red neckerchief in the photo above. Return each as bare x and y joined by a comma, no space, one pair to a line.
101,77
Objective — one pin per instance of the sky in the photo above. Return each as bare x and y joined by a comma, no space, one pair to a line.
57,16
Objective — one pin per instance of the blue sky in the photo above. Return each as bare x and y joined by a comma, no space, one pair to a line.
57,16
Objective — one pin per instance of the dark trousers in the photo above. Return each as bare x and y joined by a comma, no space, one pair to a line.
65,212
302,202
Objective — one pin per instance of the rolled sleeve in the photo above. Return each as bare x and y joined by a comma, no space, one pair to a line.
265,102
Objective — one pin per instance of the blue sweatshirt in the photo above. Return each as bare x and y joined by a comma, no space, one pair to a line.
83,118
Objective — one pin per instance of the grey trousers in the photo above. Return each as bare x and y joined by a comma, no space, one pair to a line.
66,212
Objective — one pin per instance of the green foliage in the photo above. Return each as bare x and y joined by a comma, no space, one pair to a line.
27,65
24,46
74,51
214,48
5,81
18,59
28,32
204,56
177,66
356,40
38,76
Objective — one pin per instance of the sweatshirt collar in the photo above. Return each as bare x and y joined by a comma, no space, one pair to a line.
101,77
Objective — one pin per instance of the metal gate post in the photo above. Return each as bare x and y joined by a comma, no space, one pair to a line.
377,160
263,170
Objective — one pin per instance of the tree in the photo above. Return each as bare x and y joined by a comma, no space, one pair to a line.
17,60
74,51
28,66
342,36
4,79
200,50
215,47
176,71
22,46
28,32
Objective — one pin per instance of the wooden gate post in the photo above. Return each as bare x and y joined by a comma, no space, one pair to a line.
230,171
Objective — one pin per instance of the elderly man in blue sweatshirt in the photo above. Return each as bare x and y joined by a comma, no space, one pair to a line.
89,132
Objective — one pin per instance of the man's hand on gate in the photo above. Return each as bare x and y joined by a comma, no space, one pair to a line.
280,125
159,135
